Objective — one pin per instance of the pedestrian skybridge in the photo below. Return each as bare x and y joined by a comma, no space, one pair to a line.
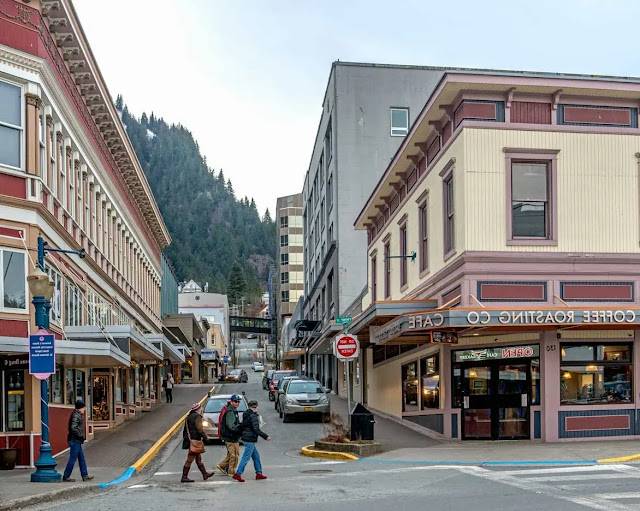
250,325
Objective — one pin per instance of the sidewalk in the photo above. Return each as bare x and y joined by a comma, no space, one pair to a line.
109,454
403,444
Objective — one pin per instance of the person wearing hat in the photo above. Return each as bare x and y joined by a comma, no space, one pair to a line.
230,430
75,439
193,431
250,433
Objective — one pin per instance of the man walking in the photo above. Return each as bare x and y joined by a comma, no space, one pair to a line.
169,383
75,439
230,430
250,433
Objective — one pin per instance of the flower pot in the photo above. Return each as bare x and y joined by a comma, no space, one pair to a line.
8,459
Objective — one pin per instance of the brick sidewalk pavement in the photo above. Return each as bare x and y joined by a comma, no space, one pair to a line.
110,453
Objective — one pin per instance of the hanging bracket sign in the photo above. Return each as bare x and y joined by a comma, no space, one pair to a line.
42,355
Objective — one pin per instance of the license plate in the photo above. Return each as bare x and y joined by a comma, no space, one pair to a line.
308,409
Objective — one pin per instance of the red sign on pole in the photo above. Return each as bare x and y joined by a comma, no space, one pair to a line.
347,346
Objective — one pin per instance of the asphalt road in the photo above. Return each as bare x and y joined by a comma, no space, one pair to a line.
298,483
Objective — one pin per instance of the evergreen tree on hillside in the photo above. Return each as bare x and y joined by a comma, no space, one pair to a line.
237,284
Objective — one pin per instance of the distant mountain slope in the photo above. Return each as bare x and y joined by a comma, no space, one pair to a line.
210,227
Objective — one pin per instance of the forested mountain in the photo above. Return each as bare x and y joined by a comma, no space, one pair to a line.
210,227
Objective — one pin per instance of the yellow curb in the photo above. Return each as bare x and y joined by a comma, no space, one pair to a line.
148,456
622,459
312,453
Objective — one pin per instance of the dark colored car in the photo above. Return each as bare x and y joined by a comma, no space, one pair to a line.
237,376
266,379
275,382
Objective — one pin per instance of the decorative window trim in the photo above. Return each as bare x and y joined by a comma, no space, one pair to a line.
449,245
423,257
20,128
541,283
630,284
550,157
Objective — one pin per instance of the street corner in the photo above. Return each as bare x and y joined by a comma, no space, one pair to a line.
311,452
620,459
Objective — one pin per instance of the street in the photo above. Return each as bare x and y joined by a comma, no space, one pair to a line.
296,482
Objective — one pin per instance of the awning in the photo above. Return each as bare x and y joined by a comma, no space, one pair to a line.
127,339
421,327
293,354
169,350
76,351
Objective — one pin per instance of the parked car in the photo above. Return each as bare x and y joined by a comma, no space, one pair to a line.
212,407
275,381
304,397
283,386
266,379
252,336
258,366
237,376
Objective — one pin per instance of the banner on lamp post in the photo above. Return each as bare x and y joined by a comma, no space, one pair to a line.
42,354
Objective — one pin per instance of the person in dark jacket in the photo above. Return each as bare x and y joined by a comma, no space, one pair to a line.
230,429
75,439
250,433
195,432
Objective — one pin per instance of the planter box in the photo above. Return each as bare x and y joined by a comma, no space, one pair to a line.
362,450
8,459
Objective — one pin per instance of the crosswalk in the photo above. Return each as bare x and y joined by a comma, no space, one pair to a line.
603,487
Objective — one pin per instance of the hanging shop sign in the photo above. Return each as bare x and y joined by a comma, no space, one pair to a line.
444,337
529,351
465,318
208,354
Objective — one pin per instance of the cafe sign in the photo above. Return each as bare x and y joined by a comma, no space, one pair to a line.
465,318
481,354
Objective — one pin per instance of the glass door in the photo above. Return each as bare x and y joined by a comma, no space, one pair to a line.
513,400
478,394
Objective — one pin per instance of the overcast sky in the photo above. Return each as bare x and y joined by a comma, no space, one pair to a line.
247,77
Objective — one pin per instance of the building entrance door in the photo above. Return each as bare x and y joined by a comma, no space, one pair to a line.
495,404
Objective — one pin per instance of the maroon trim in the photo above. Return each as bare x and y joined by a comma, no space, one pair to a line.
620,117
597,291
447,131
450,295
508,291
14,328
597,422
11,233
531,112
475,110
433,149
13,186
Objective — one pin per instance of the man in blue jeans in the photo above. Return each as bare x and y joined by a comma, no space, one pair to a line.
250,433
75,439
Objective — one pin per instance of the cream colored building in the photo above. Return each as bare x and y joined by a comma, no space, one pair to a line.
504,241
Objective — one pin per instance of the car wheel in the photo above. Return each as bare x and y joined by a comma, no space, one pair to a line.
286,418
271,398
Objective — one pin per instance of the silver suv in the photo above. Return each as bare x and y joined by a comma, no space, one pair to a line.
303,397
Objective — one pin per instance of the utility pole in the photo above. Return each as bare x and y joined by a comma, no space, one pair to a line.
242,301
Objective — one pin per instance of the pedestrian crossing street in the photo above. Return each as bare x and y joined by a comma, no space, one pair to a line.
594,486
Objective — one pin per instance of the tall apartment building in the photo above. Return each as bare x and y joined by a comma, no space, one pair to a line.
68,173
367,112
289,282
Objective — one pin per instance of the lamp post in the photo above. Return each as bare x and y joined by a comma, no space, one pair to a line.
42,287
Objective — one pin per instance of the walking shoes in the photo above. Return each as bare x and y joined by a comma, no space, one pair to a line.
225,472
260,477
238,478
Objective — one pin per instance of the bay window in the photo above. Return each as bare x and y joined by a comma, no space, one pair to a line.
56,298
13,281
11,125
72,305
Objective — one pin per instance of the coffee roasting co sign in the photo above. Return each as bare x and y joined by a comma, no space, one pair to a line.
458,318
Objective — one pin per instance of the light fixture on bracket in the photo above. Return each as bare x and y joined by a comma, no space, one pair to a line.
411,256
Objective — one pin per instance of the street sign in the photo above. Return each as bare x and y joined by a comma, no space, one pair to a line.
42,355
225,359
341,321
347,347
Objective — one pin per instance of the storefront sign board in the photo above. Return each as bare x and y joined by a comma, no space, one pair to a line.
208,355
438,337
14,362
528,351
42,355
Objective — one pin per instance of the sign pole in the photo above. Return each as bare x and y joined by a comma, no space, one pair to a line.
348,394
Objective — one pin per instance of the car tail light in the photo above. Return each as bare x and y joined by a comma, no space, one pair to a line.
271,387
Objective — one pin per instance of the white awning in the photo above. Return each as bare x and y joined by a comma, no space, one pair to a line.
171,351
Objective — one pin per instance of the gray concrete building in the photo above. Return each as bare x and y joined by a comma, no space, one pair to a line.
367,111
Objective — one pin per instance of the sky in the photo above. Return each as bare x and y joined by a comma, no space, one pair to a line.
247,77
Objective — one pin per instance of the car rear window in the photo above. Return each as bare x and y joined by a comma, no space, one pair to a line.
215,405
304,387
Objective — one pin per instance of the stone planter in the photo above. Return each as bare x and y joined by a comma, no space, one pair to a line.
361,450
8,459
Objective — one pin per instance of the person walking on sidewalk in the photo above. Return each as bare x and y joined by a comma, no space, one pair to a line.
230,430
194,433
250,433
75,439
168,384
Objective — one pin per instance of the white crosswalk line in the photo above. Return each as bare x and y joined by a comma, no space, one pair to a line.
578,477
617,496
560,470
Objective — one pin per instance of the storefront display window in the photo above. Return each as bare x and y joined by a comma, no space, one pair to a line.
152,379
604,375
69,385
132,386
14,385
80,385
146,380
121,385
140,380
430,382
100,398
410,387
535,382
56,385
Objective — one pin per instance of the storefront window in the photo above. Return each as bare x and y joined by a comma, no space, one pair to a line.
132,387
80,385
14,385
101,398
121,385
410,387
603,375
56,385
430,382
139,390
146,381
69,387
535,381
152,379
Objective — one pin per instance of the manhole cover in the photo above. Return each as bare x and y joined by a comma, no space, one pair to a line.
317,471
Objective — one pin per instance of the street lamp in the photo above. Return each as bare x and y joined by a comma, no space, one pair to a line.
42,287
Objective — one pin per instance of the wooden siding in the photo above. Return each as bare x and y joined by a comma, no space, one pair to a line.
597,190
531,112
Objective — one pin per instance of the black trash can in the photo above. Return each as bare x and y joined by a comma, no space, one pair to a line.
362,422
8,459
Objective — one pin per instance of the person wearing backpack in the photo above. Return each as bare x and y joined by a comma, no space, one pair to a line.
250,433
229,430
